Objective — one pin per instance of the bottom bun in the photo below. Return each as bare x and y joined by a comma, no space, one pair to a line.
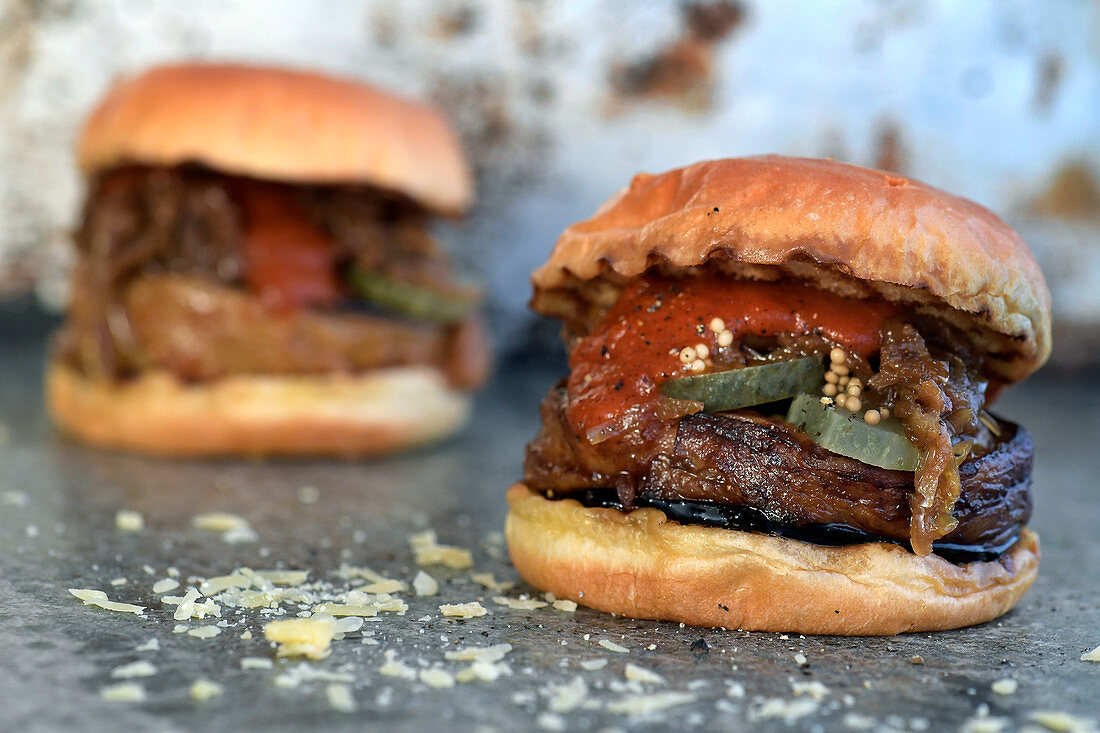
336,415
644,566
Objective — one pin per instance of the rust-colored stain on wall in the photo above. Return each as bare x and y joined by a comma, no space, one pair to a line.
682,72
1051,72
889,149
1073,193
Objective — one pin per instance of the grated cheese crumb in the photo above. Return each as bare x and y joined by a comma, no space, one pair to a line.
634,673
436,677
493,653
246,634
787,710
568,697
98,598
484,671
213,586
118,581
204,632
520,604
487,581
307,637
592,665
563,605
394,668
256,663
463,610
1059,721
124,692
153,645
428,551
134,669
648,704
234,528
340,698
180,628
128,520
551,722
385,585
1005,687
424,584
165,585
613,647
14,498
338,609
204,689
1093,656
813,689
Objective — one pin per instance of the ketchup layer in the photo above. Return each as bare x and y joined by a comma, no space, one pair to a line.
617,370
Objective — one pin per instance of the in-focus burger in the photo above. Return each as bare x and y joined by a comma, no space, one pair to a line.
777,411
256,274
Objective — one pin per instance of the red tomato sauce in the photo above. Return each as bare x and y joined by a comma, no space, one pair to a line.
617,370
288,261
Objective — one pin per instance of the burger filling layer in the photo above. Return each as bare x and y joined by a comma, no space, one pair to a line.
773,406
206,275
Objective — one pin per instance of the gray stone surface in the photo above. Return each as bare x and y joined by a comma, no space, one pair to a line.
58,653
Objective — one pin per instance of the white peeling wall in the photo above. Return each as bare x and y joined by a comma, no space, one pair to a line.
561,102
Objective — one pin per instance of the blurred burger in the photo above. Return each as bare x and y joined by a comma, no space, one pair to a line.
256,272
776,416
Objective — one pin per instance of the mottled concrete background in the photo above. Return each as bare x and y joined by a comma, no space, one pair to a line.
561,102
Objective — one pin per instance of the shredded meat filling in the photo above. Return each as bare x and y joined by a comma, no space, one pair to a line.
919,368
163,253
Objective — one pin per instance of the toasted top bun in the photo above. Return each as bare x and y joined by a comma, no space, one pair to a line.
851,230
278,124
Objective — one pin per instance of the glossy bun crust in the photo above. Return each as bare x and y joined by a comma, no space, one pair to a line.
375,413
642,565
282,125
855,231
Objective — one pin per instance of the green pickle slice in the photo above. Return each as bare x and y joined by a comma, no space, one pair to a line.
755,385
413,301
846,433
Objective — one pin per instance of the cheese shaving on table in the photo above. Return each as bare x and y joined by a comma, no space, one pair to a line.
204,632
424,584
428,551
385,585
493,653
340,698
124,692
256,663
98,598
307,637
1059,721
204,689
487,581
648,704
568,697
1093,656
634,673
613,647
164,585
395,668
520,604
234,528
463,610
484,671
436,677
564,605
128,520
134,669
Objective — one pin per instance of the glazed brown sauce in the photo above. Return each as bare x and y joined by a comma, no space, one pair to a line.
617,370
